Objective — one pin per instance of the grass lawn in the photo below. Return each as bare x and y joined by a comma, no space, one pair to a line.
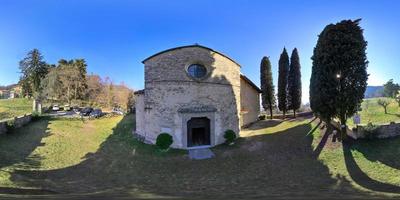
372,112
275,159
10,108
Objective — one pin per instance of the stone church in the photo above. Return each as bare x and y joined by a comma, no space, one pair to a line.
195,94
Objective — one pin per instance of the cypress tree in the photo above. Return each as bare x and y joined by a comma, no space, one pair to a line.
294,82
282,81
267,87
339,72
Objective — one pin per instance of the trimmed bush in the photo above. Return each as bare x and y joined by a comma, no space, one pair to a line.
164,141
261,117
229,136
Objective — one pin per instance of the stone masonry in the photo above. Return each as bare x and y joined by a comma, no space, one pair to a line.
171,97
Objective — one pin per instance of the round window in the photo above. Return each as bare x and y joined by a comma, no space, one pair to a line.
197,71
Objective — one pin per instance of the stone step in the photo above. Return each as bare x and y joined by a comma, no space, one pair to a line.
200,154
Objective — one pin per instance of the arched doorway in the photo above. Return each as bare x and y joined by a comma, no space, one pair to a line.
198,132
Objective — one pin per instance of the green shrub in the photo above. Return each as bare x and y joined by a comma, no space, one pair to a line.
35,116
371,131
261,117
229,136
10,125
164,141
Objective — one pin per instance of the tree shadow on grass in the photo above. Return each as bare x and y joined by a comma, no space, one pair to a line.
368,150
268,123
386,151
282,165
16,149
397,115
18,144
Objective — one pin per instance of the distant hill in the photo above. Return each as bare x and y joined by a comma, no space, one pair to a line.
8,87
373,91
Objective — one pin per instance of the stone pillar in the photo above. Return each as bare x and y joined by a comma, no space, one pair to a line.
37,106
34,105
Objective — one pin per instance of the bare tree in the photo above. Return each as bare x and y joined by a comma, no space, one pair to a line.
384,103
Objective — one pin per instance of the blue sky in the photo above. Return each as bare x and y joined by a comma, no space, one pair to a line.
115,36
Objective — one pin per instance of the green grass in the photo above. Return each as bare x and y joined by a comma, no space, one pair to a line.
10,108
372,112
71,158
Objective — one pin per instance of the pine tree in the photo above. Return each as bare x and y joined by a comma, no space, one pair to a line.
267,87
282,81
339,72
294,82
33,70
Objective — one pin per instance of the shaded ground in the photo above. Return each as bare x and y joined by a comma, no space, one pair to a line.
276,159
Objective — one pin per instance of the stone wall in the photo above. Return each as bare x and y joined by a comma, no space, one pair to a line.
381,131
249,103
17,121
170,93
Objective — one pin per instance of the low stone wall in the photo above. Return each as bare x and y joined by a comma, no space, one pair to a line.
17,121
381,131
289,115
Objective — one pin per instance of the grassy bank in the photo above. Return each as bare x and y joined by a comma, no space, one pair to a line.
372,112
276,158
10,108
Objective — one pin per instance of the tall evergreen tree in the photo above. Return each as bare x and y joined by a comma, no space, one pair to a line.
33,69
81,85
339,72
294,82
282,81
267,87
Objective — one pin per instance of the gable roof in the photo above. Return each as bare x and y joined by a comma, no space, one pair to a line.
250,83
189,46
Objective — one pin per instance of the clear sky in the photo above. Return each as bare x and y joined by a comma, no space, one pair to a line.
114,36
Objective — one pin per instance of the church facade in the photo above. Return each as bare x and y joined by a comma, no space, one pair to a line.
195,94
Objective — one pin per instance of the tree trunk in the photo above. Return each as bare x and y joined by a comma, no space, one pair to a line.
385,110
270,111
284,114
294,113
343,129
68,95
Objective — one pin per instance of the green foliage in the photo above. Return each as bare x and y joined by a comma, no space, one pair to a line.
282,81
164,141
339,76
370,131
229,136
35,116
10,125
294,82
391,89
52,86
131,102
267,86
261,117
33,70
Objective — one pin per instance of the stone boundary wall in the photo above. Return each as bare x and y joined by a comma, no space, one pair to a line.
18,122
382,131
288,115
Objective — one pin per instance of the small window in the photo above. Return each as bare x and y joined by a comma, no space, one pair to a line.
197,71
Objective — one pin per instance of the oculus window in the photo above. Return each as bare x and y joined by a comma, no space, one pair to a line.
197,71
